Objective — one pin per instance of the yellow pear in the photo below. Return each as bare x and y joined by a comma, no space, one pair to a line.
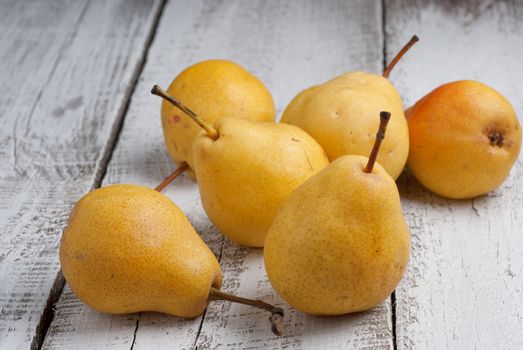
340,243
337,114
214,89
128,248
246,169
465,137
246,174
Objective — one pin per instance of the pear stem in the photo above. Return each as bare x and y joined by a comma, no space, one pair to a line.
212,132
399,55
276,317
384,120
183,166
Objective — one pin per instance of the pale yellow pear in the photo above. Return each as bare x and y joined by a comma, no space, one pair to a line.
340,243
246,173
213,89
339,114
129,248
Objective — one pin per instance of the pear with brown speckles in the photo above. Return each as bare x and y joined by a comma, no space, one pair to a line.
129,248
340,243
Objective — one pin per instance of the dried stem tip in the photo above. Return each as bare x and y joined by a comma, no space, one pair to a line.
211,131
399,55
384,120
276,318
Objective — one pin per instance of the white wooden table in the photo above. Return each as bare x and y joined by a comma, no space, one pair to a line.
76,113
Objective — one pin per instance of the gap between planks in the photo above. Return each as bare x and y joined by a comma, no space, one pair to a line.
200,326
385,63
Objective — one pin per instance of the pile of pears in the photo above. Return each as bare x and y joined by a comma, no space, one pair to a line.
316,190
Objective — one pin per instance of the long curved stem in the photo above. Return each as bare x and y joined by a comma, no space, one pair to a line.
183,166
384,120
276,317
399,55
211,131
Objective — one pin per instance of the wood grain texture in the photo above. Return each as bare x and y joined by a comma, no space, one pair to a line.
66,73
464,285
314,42
290,45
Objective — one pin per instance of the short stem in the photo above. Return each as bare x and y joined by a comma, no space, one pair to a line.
183,166
212,132
276,317
399,55
384,119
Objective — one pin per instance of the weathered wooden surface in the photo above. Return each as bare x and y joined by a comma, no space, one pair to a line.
464,285
289,45
75,64
66,74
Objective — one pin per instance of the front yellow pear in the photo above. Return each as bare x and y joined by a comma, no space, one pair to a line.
249,171
214,89
129,248
340,243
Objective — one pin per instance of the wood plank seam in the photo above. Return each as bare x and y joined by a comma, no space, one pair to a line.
385,64
136,330
393,317
106,154
383,31
222,245
48,313
101,164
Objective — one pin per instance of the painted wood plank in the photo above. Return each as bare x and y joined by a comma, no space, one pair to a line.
140,157
289,45
315,42
464,285
67,70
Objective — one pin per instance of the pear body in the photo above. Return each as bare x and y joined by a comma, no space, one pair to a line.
465,137
212,89
245,175
129,248
339,115
340,243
